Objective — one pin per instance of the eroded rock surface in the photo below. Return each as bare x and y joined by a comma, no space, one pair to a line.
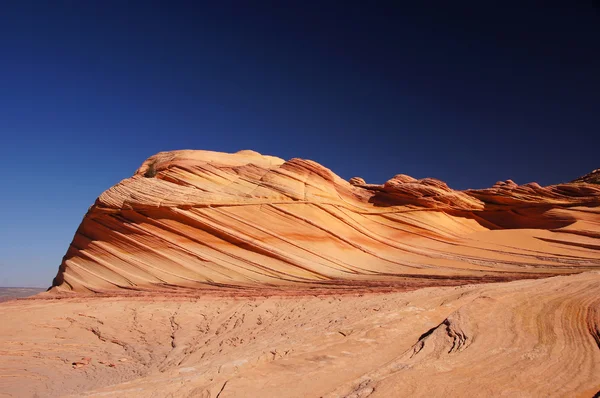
234,275
199,219
530,338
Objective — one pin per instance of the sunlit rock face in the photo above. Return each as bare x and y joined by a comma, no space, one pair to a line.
198,219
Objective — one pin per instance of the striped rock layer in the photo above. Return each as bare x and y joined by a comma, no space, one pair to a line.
200,219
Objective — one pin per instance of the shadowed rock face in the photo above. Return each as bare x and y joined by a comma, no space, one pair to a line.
196,219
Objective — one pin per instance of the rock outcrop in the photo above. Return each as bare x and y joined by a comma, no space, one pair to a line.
526,338
591,178
197,219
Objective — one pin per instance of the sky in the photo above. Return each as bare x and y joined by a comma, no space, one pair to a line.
467,92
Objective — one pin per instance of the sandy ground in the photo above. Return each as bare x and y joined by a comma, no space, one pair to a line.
527,338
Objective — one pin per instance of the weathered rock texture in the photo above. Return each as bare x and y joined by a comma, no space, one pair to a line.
591,178
199,219
237,275
527,338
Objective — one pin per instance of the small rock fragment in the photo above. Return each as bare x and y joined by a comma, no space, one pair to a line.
83,362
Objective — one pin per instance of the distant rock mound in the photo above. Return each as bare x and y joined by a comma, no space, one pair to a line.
357,181
591,178
198,219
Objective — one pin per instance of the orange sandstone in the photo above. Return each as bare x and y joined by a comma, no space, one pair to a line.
199,219
236,275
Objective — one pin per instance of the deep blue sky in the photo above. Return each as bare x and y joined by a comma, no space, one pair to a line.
470,94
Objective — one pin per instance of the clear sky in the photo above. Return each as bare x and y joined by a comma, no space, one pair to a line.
470,93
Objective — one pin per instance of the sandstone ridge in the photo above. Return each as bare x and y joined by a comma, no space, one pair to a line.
202,220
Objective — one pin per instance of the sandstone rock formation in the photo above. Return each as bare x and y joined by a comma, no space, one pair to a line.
591,178
527,338
199,219
235,275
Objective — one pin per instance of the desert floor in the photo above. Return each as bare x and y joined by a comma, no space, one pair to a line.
527,338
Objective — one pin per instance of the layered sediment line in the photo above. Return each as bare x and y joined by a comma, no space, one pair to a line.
199,219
